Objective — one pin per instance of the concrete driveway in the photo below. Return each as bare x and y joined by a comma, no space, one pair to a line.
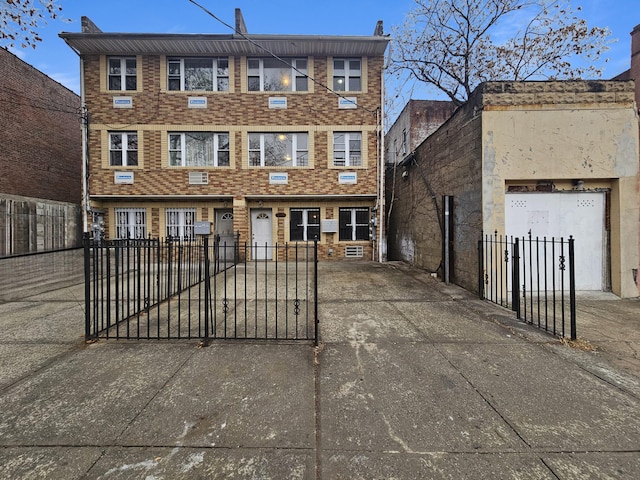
413,379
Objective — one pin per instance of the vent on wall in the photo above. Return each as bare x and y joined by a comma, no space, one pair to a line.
354,251
198,178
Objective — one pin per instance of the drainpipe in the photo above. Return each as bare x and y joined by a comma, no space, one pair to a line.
84,116
382,237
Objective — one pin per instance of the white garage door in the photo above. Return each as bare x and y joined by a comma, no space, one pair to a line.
561,215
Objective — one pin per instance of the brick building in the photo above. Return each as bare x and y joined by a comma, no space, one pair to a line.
552,158
40,185
272,136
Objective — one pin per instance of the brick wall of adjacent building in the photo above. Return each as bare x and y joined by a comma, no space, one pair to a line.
447,163
41,180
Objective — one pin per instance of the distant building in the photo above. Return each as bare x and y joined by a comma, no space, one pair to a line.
634,72
41,163
274,137
418,120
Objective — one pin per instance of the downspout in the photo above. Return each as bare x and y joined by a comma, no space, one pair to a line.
382,237
84,118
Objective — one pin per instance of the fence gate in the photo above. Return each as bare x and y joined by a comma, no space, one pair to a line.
174,289
534,277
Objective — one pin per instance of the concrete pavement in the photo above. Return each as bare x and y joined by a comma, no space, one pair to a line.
413,379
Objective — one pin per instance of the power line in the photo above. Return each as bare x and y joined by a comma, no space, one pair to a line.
256,44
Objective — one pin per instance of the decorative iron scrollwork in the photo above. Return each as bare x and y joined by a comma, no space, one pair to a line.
296,306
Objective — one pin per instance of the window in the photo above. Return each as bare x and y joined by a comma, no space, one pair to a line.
122,73
278,149
347,149
123,149
347,74
305,224
354,224
273,75
180,222
198,74
199,149
131,223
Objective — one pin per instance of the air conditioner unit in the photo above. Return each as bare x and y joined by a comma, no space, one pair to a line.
198,178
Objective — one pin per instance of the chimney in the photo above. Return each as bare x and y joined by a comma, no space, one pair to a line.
379,30
635,60
88,26
240,25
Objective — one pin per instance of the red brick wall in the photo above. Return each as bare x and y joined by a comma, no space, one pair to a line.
40,134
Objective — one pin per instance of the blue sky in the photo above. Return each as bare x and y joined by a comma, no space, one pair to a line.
328,17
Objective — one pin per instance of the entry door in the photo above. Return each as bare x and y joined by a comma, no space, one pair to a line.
580,214
224,228
261,233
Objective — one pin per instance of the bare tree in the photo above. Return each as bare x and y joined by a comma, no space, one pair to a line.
456,44
21,19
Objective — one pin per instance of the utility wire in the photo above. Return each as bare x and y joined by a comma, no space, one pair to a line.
256,44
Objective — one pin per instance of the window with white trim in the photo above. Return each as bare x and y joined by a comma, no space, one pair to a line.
123,149
347,149
180,223
404,141
353,224
278,149
304,224
131,223
273,75
198,149
198,74
122,73
347,74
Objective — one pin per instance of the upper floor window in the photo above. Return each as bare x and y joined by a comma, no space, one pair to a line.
131,223
304,225
354,224
122,73
347,74
272,75
278,149
199,149
198,74
347,149
404,141
180,223
123,149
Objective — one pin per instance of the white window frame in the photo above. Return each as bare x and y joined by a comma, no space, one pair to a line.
216,149
216,75
347,74
404,141
296,149
125,155
353,223
305,223
131,223
180,223
298,68
123,75
348,161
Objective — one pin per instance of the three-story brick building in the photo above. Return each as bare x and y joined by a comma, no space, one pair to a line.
276,137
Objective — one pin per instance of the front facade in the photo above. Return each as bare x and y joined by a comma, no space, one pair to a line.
273,137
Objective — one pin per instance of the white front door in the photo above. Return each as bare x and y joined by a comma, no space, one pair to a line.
580,214
224,228
261,234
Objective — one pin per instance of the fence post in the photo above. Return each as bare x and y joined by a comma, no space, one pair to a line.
480,270
315,296
87,287
572,288
207,287
515,280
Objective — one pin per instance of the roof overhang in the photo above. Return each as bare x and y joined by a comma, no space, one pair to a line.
286,198
234,45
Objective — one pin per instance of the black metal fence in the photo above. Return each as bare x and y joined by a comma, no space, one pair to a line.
535,277
173,289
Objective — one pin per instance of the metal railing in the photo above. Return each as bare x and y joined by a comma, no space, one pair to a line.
534,277
173,289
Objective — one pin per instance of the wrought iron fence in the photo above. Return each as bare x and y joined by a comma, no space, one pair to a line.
535,277
173,289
